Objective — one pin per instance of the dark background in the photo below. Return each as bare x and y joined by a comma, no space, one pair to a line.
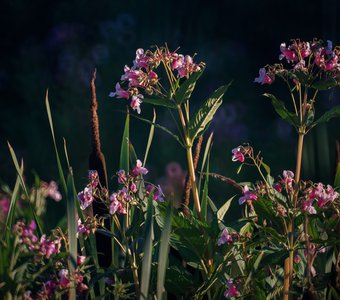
57,45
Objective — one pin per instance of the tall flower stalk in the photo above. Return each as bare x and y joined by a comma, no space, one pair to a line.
312,66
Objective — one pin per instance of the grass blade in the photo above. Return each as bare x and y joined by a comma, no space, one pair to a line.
164,253
147,258
23,185
152,130
60,169
124,150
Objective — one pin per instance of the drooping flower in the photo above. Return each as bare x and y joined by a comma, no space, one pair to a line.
322,195
238,154
263,78
141,60
85,197
232,289
307,206
139,169
287,53
116,205
247,195
225,237
156,191
136,102
120,93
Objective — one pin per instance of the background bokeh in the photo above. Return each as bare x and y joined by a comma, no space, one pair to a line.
57,45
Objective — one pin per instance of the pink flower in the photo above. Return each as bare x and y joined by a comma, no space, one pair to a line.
238,154
121,176
290,55
48,247
85,197
133,76
4,205
82,228
232,289
308,207
186,66
297,259
157,192
64,280
322,195
247,195
27,295
93,178
225,238
263,78
139,169
142,60
80,259
120,93
136,102
116,205
133,187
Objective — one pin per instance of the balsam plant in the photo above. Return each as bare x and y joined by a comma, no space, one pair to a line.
284,246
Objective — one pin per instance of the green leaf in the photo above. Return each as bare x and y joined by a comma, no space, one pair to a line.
72,231
325,84
255,267
165,102
12,207
187,87
205,155
164,253
152,130
178,279
124,150
60,169
282,111
206,112
332,113
224,208
23,186
147,257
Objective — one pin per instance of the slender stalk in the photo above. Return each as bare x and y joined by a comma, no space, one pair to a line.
193,182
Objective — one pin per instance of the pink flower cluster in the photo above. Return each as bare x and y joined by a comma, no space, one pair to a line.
286,182
142,76
88,226
312,58
320,194
42,248
85,197
59,283
119,199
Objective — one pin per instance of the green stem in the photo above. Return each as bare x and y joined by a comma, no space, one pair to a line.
193,182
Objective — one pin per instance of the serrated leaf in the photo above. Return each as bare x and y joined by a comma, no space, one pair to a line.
332,113
187,87
206,113
282,111
165,102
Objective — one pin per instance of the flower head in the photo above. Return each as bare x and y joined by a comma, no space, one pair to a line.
232,289
238,154
85,197
139,169
120,93
225,237
264,78
247,195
